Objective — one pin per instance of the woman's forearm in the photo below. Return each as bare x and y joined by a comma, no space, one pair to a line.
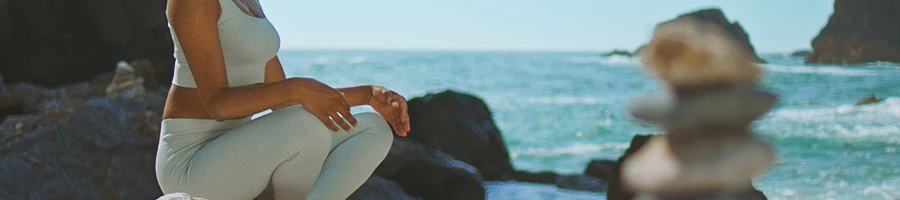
243,101
357,95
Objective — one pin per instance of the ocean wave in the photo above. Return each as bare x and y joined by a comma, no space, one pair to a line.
888,108
575,149
323,60
611,60
563,100
871,122
818,70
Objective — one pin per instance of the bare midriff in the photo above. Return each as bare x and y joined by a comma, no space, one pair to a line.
184,102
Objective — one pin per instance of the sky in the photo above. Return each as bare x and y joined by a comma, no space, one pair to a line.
529,25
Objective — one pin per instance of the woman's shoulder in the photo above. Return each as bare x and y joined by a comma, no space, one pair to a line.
194,9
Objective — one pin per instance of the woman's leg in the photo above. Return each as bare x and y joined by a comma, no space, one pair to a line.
354,158
239,164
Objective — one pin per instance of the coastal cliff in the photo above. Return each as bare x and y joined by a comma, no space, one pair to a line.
859,32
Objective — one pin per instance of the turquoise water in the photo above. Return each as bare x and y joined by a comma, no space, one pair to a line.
559,110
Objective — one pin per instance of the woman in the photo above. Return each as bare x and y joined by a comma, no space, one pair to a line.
226,71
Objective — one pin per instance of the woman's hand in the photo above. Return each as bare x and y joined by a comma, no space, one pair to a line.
392,106
326,103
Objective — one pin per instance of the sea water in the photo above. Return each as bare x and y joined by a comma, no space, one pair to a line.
557,111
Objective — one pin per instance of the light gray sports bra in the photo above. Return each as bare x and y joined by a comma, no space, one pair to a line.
248,43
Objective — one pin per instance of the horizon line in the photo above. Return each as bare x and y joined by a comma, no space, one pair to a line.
548,50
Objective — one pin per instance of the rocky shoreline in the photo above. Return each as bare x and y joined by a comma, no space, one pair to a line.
86,141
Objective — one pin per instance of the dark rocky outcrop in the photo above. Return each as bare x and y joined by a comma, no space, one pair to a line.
618,52
378,188
600,169
581,182
430,174
617,192
74,142
716,16
801,53
545,177
53,43
869,100
859,32
462,126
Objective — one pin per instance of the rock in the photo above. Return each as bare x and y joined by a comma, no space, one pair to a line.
430,174
617,192
859,32
618,52
869,100
716,16
639,50
54,43
125,83
377,188
462,126
73,142
545,177
600,169
581,182
801,53
95,152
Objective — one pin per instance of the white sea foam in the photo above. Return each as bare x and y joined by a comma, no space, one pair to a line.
615,60
575,149
879,121
565,100
818,70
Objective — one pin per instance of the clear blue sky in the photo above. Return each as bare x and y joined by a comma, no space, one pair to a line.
556,25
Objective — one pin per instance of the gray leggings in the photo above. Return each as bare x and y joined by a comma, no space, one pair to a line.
237,159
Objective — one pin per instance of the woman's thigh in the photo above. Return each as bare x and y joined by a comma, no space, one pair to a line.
239,163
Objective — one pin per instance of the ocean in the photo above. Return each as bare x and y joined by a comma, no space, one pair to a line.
559,110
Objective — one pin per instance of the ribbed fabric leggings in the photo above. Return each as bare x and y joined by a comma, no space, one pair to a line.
289,148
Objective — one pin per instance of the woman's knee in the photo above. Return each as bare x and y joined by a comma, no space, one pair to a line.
377,125
300,127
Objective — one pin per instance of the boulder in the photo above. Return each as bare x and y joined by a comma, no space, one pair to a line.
94,152
427,173
377,188
461,125
716,16
801,53
545,177
618,52
54,43
76,142
617,192
581,182
859,32
600,169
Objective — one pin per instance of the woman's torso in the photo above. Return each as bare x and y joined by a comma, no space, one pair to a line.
248,42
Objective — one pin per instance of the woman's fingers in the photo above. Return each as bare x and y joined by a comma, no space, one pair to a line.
339,120
349,117
328,123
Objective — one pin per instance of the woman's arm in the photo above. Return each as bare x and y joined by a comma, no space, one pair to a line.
275,73
355,96
195,24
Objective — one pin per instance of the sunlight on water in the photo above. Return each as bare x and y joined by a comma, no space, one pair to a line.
558,111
